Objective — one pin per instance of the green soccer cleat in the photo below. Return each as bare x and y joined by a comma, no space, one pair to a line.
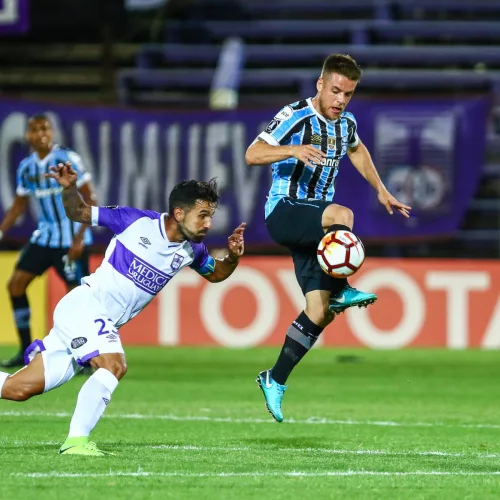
273,394
82,446
349,297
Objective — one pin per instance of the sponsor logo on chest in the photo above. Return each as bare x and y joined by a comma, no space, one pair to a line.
147,277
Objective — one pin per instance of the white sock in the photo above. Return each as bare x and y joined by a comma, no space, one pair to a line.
93,398
3,378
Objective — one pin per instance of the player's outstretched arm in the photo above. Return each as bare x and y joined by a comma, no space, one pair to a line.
76,209
16,210
225,267
360,157
262,153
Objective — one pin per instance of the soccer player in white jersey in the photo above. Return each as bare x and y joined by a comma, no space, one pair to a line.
305,143
147,251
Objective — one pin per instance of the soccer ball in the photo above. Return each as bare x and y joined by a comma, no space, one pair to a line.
340,253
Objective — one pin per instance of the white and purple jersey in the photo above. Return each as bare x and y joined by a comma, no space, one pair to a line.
139,260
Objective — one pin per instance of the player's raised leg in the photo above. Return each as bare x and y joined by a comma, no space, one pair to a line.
301,336
93,398
335,218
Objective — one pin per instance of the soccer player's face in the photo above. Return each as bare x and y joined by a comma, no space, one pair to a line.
196,222
39,134
335,91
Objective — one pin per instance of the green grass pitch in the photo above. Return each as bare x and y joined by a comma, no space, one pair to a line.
191,423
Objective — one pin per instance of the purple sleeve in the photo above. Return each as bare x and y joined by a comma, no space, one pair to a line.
203,263
119,218
200,254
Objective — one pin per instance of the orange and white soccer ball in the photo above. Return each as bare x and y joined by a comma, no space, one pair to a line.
340,253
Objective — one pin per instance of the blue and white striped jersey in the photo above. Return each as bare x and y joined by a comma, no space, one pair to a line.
54,229
299,123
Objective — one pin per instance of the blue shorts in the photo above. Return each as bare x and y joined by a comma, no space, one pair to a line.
36,259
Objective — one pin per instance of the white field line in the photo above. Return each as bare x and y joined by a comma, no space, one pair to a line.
141,473
327,451
16,442
249,420
331,451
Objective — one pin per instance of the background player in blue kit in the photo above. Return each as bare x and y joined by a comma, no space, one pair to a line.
305,143
58,241
148,250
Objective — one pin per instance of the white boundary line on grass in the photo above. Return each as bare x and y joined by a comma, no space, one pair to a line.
141,473
331,451
326,451
250,420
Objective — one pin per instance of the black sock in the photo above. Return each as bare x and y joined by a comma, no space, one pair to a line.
300,337
22,318
338,283
338,227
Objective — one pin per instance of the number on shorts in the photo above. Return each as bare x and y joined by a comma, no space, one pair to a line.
102,331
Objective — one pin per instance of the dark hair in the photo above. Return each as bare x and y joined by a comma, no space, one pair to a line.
185,194
39,116
343,64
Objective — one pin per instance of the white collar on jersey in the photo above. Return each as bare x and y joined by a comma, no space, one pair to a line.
161,223
319,115
47,158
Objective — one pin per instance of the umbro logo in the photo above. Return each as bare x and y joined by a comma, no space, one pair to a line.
316,139
106,401
145,242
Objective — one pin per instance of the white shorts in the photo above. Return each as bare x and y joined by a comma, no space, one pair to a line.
82,330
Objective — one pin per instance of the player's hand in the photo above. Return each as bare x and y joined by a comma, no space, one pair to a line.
76,250
390,202
236,243
308,154
63,174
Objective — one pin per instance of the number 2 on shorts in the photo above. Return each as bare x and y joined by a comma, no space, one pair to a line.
102,331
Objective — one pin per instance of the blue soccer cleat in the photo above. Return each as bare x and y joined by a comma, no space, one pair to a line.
273,394
349,297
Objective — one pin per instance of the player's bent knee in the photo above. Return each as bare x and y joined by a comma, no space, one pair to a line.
113,363
118,369
16,287
337,214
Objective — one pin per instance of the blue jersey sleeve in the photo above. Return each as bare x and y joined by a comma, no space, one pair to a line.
23,185
352,130
119,218
203,263
280,126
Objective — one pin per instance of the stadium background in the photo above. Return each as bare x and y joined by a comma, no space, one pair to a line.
151,92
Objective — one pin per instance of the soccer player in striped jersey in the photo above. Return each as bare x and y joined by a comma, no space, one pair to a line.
58,241
305,143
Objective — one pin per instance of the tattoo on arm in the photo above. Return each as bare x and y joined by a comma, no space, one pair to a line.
76,209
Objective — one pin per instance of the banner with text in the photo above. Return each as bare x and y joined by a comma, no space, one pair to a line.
429,154
421,303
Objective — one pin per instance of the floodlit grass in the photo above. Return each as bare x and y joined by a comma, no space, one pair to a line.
191,423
